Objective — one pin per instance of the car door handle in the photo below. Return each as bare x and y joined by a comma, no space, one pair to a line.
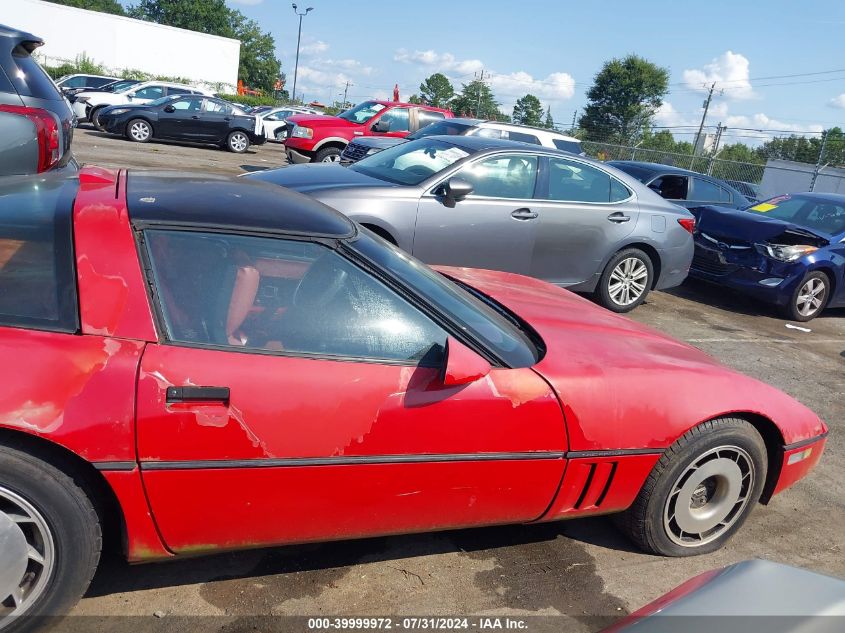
197,394
618,217
524,214
195,117
227,118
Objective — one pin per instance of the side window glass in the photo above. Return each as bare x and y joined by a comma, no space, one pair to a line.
578,182
706,191
427,117
725,195
183,104
178,91
216,106
521,137
502,176
618,191
150,92
487,132
256,293
398,118
670,187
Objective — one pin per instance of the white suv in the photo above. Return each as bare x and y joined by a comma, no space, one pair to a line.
369,145
88,104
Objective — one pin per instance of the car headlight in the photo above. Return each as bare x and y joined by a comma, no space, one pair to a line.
116,111
372,150
788,253
302,132
82,99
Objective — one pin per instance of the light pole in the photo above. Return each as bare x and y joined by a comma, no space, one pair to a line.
298,38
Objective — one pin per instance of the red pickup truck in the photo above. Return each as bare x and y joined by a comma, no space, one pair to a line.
321,139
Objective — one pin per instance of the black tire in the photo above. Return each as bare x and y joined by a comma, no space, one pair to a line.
237,142
651,522
134,130
798,310
281,134
327,155
72,525
94,117
618,297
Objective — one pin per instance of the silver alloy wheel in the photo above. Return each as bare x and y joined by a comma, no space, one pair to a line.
628,281
331,158
238,142
709,496
281,134
140,131
27,555
811,297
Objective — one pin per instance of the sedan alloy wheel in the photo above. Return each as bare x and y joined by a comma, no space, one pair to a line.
626,280
139,131
238,142
810,297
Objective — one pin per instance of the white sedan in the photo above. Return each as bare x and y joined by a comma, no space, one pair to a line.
275,125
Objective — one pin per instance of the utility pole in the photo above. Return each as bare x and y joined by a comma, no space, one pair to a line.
345,91
704,116
574,116
719,130
480,84
298,40
819,165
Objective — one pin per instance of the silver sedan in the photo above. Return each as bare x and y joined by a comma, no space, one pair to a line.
488,203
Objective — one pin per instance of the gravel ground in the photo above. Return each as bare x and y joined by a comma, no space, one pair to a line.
581,571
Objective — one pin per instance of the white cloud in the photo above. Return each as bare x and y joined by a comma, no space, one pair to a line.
316,47
759,121
444,62
837,102
730,73
555,87
668,116
347,65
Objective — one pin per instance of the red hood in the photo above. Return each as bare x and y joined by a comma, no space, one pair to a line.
321,120
626,385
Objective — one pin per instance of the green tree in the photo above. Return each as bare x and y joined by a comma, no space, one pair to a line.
662,141
741,153
207,16
258,67
528,111
623,99
549,123
476,99
437,91
104,6
416,99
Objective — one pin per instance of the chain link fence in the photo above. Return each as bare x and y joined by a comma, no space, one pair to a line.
773,178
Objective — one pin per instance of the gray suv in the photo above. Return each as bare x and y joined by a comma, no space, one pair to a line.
36,122
504,205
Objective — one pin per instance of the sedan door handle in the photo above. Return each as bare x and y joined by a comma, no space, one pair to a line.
618,217
195,117
198,394
524,214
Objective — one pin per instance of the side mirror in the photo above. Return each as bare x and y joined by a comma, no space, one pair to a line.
462,366
130,95
169,108
456,189
381,126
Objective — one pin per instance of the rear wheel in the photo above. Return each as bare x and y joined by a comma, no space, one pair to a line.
626,280
51,540
809,298
328,155
237,142
139,130
701,490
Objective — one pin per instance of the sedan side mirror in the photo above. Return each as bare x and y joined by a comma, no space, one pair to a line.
462,366
456,189
169,108
130,95
381,126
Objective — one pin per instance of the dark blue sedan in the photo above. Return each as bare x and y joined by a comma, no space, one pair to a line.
789,251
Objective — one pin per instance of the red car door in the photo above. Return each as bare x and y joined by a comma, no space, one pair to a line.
298,398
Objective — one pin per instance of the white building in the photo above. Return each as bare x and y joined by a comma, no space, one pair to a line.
120,43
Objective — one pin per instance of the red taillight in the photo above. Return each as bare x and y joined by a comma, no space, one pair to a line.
687,223
47,132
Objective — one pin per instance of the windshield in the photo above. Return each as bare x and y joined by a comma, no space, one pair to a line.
410,163
441,128
817,214
163,100
118,86
362,112
497,328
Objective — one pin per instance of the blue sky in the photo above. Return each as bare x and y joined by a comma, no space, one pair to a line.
554,48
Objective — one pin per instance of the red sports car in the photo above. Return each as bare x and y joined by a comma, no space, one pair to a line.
220,364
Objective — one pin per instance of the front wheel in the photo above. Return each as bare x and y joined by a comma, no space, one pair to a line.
809,298
328,155
50,536
701,490
139,130
94,117
626,280
237,142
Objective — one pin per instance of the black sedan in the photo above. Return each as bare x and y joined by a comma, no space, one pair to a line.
682,186
189,118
